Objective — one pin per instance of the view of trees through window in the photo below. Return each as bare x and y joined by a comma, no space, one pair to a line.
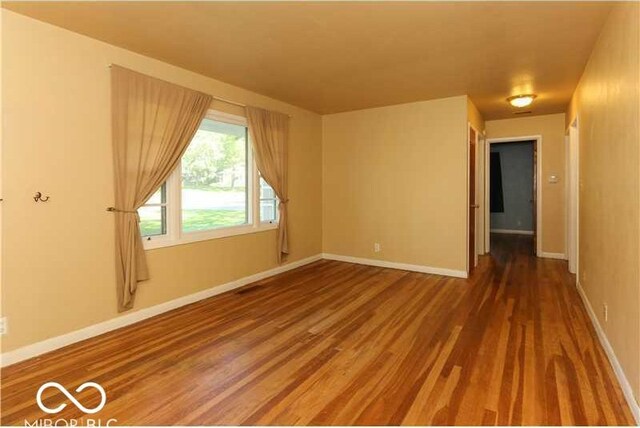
214,177
213,185
214,182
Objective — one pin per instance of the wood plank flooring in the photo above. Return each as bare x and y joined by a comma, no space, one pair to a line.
334,343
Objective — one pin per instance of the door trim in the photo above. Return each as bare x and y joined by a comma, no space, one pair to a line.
572,196
479,199
539,181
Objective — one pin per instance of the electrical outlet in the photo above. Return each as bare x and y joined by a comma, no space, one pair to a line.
605,312
376,247
3,325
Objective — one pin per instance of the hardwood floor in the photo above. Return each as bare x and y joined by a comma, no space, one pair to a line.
338,343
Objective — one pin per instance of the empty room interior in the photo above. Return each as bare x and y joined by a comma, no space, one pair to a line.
319,213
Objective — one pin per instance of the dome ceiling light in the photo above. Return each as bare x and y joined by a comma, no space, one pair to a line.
520,101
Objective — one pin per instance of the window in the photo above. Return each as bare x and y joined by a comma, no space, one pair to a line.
214,177
153,215
268,203
216,190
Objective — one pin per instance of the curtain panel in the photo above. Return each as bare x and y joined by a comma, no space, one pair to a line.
153,122
269,132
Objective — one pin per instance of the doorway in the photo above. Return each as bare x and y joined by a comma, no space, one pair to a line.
513,194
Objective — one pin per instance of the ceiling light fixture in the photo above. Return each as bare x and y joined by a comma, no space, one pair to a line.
520,101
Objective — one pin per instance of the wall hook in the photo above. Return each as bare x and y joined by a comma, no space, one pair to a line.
39,198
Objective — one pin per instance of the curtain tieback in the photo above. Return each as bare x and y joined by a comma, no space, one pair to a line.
118,210
284,201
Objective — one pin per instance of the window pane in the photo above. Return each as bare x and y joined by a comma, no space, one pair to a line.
266,192
268,202
160,197
152,221
214,177
268,209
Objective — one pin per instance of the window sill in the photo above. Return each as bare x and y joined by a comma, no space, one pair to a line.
191,237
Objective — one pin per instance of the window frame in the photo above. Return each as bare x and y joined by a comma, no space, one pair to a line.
276,211
176,236
162,205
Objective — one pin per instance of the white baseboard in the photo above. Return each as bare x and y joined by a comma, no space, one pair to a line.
548,255
512,232
57,342
617,368
394,265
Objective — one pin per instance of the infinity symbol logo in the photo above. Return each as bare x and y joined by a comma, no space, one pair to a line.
71,397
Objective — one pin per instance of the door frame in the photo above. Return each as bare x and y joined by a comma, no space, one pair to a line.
537,184
572,196
471,264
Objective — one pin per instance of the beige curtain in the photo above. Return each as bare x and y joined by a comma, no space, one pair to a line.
269,133
152,124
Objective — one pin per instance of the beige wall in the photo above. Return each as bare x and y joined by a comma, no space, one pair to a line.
607,104
397,175
1,174
474,116
58,262
551,128
477,122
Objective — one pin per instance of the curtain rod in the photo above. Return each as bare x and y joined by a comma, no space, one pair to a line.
224,100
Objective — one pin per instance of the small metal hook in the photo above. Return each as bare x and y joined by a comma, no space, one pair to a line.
39,198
